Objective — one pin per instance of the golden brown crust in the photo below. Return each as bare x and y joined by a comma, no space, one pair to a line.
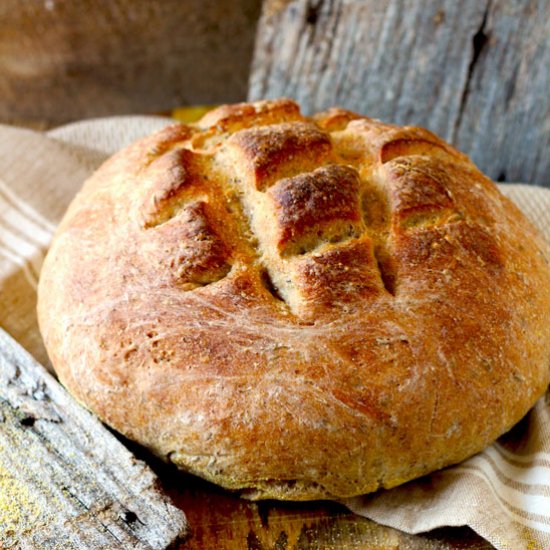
298,307
266,154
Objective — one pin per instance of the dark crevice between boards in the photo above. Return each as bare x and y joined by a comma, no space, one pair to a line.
27,421
479,42
312,13
130,517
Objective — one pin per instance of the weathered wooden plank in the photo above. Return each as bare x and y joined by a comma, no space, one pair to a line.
475,72
65,480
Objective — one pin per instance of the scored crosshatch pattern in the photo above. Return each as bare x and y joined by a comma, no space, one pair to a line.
316,204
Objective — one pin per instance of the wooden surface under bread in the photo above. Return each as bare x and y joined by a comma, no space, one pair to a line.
221,520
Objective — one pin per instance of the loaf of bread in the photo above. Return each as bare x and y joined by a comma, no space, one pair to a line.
298,307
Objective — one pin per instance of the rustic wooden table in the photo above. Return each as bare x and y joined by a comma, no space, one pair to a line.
220,520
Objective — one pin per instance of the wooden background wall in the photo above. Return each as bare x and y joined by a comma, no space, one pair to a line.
476,72
63,60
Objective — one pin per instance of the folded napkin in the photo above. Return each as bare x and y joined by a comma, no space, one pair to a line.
502,493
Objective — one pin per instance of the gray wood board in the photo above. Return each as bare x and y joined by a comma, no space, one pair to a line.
476,72
65,480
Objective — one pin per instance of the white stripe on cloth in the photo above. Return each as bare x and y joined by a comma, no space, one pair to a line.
21,247
24,235
20,224
521,479
30,258
529,505
23,208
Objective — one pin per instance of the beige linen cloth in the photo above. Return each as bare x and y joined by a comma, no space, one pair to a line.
503,493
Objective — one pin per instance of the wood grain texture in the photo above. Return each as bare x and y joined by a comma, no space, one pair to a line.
223,521
475,72
65,481
63,60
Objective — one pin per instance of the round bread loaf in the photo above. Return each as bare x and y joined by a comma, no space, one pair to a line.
298,308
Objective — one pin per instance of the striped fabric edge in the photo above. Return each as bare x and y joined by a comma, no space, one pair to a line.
513,498
539,458
532,480
25,209
514,513
22,225
24,235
